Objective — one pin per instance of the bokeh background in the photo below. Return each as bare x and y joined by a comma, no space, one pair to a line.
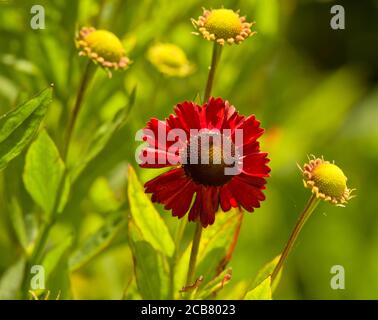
314,89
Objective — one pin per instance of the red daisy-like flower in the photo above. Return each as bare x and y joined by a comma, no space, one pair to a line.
201,144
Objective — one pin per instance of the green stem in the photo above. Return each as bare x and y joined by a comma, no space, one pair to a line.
40,244
35,258
85,80
308,210
217,50
193,255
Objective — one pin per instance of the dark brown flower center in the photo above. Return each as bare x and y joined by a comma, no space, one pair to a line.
207,157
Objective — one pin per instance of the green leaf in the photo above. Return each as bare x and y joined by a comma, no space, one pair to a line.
97,242
215,251
44,175
265,272
215,285
262,292
103,136
217,243
11,280
17,220
197,99
54,256
18,127
150,267
146,218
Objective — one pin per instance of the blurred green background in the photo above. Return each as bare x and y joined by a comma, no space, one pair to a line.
314,89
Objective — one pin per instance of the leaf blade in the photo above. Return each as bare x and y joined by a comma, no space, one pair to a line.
18,127
43,175
146,218
150,268
262,292
97,242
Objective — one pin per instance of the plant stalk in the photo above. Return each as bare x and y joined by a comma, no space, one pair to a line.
217,50
85,80
308,210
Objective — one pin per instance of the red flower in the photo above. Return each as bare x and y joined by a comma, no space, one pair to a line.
231,143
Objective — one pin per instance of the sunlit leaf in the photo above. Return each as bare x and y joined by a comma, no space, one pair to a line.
11,280
103,136
97,242
146,218
216,247
215,285
150,267
218,243
262,292
44,175
17,219
53,257
18,127
266,271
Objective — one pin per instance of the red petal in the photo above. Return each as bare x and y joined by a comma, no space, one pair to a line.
209,205
232,117
251,129
215,113
252,147
180,201
164,194
165,180
258,182
151,134
154,158
248,196
227,200
196,208
190,115
255,165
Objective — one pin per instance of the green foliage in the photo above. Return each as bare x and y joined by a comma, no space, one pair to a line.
263,291
212,287
55,255
97,242
103,135
313,88
216,248
18,223
150,267
265,272
11,280
147,219
45,176
18,127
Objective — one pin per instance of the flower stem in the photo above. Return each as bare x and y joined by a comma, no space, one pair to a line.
85,80
193,255
217,50
310,207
